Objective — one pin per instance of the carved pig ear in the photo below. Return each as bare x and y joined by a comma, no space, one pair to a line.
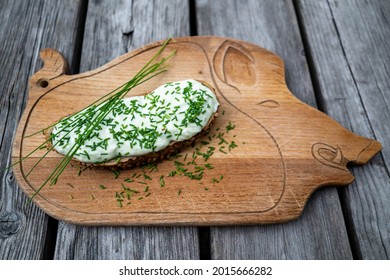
328,155
54,65
234,65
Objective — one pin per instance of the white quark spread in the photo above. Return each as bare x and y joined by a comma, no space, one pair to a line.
139,125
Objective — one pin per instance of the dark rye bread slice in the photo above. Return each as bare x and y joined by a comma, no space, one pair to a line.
171,149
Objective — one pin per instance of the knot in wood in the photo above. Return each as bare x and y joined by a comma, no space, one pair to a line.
10,224
128,32
10,178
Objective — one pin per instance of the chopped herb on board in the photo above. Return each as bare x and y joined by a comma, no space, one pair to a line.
193,166
116,173
162,182
229,127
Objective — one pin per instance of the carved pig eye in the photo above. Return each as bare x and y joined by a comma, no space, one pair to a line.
270,104
235,65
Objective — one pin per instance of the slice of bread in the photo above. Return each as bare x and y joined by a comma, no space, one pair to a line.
127,162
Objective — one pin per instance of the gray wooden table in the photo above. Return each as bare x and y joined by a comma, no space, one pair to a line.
337,57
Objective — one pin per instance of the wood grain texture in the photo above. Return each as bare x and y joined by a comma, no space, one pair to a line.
114,28
23,227
273,25
348,43
126,243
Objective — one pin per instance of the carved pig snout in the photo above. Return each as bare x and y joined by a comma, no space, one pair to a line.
356,149
334,156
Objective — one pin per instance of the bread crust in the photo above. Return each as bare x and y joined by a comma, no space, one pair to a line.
130,162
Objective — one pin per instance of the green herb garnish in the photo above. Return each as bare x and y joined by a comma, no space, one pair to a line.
162,182
95,113
229,127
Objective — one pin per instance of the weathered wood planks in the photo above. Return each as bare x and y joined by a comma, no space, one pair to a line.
349,47
25,28
113,28
23,230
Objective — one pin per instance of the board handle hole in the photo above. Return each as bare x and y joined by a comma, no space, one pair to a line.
43,83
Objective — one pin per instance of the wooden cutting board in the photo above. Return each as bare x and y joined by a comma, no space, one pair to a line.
270,150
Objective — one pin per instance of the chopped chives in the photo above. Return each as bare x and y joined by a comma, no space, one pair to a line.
116,173
162,182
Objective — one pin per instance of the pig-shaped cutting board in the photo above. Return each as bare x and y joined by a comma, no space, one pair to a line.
264,156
